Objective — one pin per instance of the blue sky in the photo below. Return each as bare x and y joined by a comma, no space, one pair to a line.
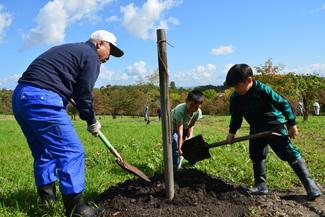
208,36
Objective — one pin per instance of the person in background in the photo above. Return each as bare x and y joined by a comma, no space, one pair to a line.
39,101
264,109
146,114
184,117
300,109
316,108
159,113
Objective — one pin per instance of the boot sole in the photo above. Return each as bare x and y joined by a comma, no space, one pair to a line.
314,196
257,193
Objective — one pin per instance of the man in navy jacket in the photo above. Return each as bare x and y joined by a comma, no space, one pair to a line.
39,101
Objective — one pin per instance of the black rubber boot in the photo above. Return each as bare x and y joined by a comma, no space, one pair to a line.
47,194
75,206
260,186
301,170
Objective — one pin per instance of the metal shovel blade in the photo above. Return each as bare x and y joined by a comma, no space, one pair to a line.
195,149
132,169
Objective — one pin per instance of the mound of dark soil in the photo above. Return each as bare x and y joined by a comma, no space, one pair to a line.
199,194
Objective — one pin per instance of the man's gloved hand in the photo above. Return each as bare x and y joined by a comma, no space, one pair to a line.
94,128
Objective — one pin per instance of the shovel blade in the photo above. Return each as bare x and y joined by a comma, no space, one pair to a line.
132,169
195,149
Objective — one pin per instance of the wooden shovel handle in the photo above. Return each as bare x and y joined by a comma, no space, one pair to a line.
249,137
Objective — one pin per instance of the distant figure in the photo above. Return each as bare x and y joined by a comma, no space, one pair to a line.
300,109
159,112
316,108
146,114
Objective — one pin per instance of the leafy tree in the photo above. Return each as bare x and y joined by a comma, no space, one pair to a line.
72,111
294,87
172,86
5,101
150,83
174,99
308,88
137,97
217,89
209,94
270,75
100,101
149,80
116,98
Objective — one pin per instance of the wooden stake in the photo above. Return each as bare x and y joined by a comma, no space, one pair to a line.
165,114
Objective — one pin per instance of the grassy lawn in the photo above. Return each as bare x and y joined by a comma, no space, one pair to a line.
141,145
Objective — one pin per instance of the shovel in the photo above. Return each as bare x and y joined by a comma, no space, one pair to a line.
196,149
126,166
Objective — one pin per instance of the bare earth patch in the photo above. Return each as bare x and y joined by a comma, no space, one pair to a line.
199,194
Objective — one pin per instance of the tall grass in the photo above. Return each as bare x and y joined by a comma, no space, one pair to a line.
141,145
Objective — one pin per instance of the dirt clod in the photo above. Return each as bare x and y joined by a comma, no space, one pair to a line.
203,195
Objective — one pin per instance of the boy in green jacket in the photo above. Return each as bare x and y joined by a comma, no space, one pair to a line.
264,109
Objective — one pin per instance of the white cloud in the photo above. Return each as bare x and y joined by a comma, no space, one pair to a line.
173,20
318,68
318,9
138,68
226,68
92,19
129,76
143,22
202,72
6,19
223,50
10,82
199,74
124,77
106,75
111,19
56,16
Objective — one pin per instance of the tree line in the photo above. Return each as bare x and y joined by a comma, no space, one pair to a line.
132,99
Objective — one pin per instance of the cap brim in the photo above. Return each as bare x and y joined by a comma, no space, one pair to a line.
117,52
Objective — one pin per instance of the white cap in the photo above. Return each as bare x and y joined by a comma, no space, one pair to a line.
110,38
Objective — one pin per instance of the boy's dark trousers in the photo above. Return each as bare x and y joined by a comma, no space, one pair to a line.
285,151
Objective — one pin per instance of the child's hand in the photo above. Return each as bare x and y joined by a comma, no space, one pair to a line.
230,138
187,138
180,153
293,131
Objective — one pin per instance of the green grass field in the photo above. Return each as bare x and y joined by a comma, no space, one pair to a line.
141,145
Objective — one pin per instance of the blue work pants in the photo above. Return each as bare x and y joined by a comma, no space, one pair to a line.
176,159
52,139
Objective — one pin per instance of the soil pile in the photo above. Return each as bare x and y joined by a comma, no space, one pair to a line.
200,194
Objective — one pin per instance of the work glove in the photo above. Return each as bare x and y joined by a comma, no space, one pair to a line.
94,128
